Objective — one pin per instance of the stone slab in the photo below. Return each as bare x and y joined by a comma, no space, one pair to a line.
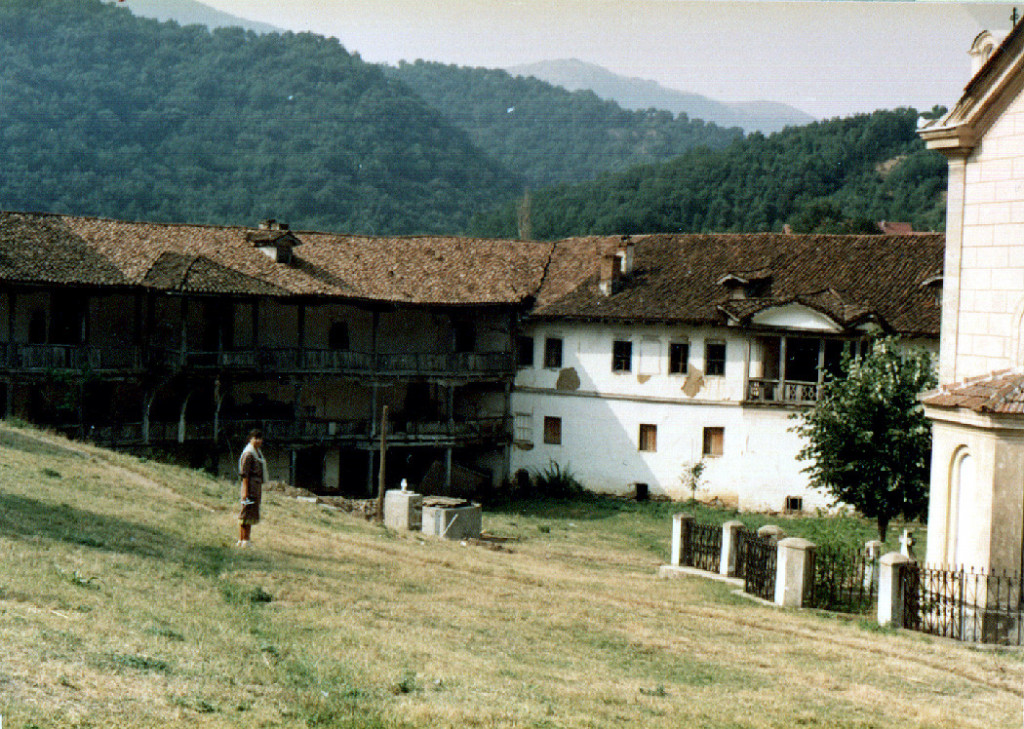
455,523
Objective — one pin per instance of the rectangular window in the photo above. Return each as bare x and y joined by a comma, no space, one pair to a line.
678,356
622,356
337,336
464,336
553,352
648,437
714,442
714,358
552,430
524,351
794,503
523,428
650,356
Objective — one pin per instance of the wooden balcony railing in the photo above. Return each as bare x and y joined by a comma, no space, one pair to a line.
308,431
44,357
782,392
292,359
47,357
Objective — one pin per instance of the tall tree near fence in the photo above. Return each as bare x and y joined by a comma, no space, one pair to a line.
868,441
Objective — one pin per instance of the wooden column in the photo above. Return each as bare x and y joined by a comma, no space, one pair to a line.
381,474
300,328
782,368
184,330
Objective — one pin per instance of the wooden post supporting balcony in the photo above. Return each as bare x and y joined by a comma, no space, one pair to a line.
12,297
181,418
300,328
184,331
781,396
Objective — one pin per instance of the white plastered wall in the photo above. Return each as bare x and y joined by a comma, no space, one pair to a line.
601,417
984,277
975,514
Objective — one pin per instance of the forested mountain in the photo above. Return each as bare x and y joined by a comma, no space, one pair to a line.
547,134
637,93
831,176
104,113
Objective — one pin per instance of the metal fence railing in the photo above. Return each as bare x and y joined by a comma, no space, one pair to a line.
704,547
756,563
845,580
967,605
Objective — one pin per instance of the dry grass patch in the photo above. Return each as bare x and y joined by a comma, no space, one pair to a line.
123,603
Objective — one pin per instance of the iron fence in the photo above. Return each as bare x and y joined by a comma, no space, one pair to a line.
845,580
756,560
704,547
968,605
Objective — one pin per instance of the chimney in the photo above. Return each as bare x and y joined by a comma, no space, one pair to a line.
626,255
609,273
274,240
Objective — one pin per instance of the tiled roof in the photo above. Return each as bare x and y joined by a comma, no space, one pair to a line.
676,278
998,392
221,259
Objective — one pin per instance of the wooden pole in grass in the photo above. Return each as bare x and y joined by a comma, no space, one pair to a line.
383,454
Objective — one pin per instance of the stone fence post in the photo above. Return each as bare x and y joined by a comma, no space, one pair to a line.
794,576
890,589
680,537
730,547
771,531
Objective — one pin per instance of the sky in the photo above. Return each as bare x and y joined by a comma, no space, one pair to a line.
826,58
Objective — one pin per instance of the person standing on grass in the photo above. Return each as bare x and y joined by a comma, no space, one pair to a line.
252,467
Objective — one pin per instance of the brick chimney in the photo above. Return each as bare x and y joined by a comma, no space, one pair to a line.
274,240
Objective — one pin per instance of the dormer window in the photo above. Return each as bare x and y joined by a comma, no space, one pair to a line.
747,285
934,285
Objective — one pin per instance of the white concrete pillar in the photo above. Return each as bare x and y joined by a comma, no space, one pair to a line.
680,536
873,553
771,531
730,547
794,576
890,588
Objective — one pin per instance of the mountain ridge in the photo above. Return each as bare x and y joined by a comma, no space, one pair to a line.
638,93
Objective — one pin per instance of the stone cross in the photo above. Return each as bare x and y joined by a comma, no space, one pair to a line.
907,542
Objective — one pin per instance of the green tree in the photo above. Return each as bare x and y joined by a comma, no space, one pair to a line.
868,441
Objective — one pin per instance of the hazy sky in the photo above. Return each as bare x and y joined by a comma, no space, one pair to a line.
827,58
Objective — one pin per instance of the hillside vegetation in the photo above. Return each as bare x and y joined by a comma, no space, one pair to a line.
105,113
546,134
839,175
124,604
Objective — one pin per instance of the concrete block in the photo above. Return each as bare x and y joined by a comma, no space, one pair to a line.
890,589
680,536
403,510
771,531
730,547
794,575
453,522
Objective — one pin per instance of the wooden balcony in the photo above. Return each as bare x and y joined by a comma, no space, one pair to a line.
782,392
292,360
79,357
295,433
39,358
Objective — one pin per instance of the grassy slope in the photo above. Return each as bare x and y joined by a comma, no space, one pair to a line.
123,604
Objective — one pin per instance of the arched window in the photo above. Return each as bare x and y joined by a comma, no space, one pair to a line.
959,512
